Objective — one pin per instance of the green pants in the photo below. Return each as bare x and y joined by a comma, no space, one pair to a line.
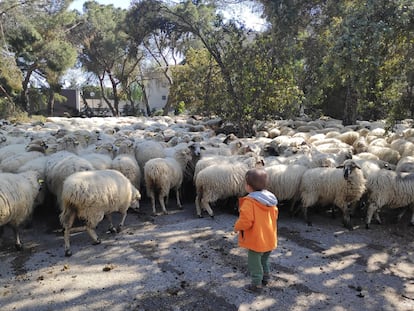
258,265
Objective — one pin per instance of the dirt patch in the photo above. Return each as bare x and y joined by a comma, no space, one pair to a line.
181,262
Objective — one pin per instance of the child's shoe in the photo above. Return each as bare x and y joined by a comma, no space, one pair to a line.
265,280
253,288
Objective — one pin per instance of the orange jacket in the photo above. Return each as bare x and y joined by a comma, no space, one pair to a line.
257,225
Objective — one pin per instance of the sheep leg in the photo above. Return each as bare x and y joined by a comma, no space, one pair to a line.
111,228
198,208
372,208
412,216
333,215
93,235
150,193
293,210
401,214
377,217
66,233
121,223
206,206
305,215
347,217
18,244
177,194
162,197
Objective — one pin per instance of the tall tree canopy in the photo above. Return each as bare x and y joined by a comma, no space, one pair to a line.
36,34
347,59
106,49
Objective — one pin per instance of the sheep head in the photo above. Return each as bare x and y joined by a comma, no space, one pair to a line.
348,166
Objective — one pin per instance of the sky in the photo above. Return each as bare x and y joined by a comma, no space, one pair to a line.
251,20
78,4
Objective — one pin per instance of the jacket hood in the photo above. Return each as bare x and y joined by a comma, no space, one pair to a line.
265,197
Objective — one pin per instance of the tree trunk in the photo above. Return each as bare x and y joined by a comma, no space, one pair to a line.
131,101
51,102
145,99
24,95
167,107
114,113
115,93
11,107
350,109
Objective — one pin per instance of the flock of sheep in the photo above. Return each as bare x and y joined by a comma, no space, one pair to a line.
92,167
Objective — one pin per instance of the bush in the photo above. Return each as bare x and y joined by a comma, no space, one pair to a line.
180,109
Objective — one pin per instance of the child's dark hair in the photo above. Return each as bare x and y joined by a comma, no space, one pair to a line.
256,178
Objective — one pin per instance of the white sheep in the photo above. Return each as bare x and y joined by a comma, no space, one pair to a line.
320,159
284,181
251,159
147,150
18,193
126,163
233,147
37,145
391,189
348,137
405,164
59,166
403,146
102,156
220,181
341,187
68,143
90,196
11,150
360,145
14,162
385,153
164,174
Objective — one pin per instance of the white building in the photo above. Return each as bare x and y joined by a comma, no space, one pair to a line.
156,88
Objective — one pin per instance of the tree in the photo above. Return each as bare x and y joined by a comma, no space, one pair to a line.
106,49
350,55
36,35
256,84
364,44
161,39
199,84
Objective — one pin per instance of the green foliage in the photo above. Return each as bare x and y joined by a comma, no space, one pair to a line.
348,59
10,75
106,49
231,77
199,84
180,108
36,36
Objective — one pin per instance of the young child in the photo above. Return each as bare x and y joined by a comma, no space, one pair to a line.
257,227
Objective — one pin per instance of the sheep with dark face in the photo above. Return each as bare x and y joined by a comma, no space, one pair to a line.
340,187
